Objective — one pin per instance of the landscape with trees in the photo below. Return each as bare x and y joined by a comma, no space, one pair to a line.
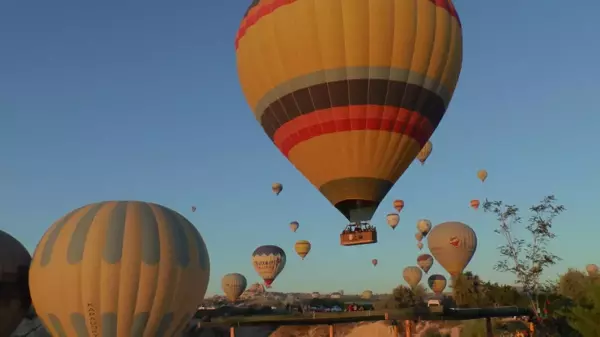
566,306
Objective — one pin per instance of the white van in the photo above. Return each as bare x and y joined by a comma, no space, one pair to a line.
433,303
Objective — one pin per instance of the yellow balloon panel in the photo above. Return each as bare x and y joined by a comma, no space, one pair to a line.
119,268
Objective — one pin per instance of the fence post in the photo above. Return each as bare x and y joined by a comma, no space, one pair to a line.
488,327
330,330
231,331
531,328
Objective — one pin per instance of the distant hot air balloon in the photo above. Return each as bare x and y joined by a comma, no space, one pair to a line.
423,226
233,286
475,204
366,295
393,220
425,261
268,261
482,175
412,275
419,236
363,112
119,269
425,152
437,283
591,269
294,225
277,188
14,288
302,248
399,205
420,245
452,244
193,208
315,295
374,262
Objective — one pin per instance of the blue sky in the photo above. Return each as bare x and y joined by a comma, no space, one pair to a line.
140,100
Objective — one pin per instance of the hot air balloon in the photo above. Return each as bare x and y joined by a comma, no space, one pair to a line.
366,295
277,188
419,236
119,268
358,88
420,245
437,283
14,288
452,244
423,226
374,262
412,276
315,295
268,261
482,175
475,204
393,220
302,248
294,225
233,285
591,269
193,208
425,261
399,205
425,152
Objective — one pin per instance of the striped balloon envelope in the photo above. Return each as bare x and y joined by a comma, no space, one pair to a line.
437,283
350,90
119,268
233,285
268,262
302,248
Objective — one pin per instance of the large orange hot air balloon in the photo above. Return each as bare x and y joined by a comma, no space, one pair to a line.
399,205
356,87
119,269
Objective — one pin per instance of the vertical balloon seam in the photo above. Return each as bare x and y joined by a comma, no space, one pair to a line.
182,257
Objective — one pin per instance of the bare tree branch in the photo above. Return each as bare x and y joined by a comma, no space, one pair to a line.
526,255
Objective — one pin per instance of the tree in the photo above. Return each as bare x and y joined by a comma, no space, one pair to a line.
419,295
502,295
406,297
467,290
526,258
573,285
584,316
